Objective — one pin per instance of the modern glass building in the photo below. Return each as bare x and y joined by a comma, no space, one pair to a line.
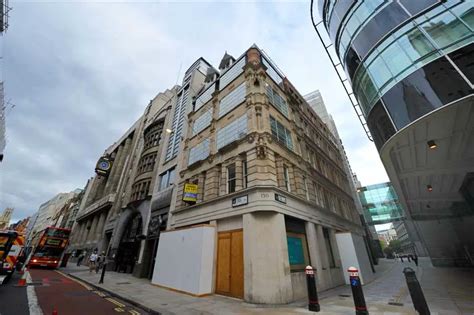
411,67
380,204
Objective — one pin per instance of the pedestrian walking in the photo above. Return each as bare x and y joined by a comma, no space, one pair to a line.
100,262
93,260
80,259
415,259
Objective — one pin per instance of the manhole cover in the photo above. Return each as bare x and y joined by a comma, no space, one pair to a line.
123,282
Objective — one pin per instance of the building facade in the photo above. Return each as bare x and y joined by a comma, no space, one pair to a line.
47,215
315,100
261,193
410,67
5,218
125,206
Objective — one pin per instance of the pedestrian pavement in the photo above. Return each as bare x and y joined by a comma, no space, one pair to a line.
447,291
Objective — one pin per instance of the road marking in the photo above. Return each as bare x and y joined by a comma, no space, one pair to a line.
134,312
115,302
75,280
119,310
33,305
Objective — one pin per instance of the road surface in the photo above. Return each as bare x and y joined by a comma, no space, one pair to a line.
52,291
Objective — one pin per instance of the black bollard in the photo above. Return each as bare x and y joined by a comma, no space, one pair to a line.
416,293
102,274
313,302
357,293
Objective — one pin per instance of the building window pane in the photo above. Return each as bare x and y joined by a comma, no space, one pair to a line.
244,174
272,72
232,73
286,177
277,101
305,183
231,100
231,178
202,122
430,87
167,178
380,125
204,97
199,152
232,132
464,59
446,29
282,134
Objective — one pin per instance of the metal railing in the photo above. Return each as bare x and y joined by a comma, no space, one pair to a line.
344,81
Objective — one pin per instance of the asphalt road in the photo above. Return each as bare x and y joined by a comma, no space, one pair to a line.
13,300
56,291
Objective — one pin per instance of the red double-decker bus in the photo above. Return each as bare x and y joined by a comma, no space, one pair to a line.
50,248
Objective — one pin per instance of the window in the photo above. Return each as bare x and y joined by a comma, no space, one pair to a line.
424,90
327,240
202,122
380,125
297,251
463,58
245,174
446,29
177,124
272,72
199,152
281,133
381,24
232,73
231,178
232,132
231,100
147,163
286,177
140,190
204,97
306,190
277,100
152,136
167,178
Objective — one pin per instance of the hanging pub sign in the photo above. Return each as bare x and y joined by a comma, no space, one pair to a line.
190,193
103,166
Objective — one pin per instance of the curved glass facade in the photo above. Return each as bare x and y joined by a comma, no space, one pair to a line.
380,204
404,58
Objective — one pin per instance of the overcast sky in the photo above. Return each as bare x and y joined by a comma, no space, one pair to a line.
80,74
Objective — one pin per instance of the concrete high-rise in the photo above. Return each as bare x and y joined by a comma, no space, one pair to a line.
410,67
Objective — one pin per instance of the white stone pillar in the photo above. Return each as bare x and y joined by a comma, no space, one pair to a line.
314,249
326,272
267,277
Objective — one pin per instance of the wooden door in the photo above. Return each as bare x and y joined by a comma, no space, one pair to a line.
230,264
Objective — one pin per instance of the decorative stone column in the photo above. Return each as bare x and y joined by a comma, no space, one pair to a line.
314,248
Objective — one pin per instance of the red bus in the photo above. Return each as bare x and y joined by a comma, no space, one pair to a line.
50,248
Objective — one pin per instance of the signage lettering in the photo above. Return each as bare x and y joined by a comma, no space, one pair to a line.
240,201
190,193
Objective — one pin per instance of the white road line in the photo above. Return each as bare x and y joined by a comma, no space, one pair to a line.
32,299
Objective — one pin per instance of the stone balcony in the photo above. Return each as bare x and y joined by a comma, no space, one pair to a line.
98,205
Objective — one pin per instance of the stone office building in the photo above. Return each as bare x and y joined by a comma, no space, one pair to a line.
115,209
266,193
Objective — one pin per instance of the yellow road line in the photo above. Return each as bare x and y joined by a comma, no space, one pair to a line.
115,302
75,280
119,310
134,312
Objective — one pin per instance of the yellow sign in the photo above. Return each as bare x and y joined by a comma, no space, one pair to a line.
190,192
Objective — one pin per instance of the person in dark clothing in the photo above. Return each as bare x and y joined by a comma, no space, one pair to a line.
415,259
80,259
